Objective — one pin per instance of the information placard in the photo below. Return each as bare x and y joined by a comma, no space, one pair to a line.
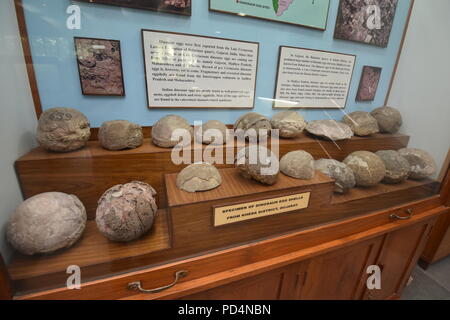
190,71
261,208
313,79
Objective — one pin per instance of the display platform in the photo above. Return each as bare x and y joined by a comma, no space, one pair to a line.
189,229
88,172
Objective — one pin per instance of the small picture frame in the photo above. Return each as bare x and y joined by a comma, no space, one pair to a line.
182,7
368,84
99,64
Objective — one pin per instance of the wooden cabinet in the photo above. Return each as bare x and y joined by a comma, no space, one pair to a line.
398,257
320,252
279,284
339,275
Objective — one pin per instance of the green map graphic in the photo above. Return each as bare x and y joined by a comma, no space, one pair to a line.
275,5
311,13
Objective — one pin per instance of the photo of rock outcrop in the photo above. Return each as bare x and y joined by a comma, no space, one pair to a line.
172,6
100,66
369,83
367,21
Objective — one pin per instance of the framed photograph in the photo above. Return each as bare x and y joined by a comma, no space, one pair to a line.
305,13
100,66
182,7
366,21
369,83
313,79
192,71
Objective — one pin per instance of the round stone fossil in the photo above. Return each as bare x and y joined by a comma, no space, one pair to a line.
367,167
345,179
330,129
389,119
120,134
46,222
63,130
199,177
290,123
361,123
397,167
211,131
125,212
163,129
298,164
258,163
255,121
422,164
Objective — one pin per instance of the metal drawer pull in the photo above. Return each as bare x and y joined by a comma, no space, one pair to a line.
396,217
137,285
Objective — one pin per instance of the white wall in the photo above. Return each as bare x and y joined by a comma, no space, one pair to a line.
17,116
421,88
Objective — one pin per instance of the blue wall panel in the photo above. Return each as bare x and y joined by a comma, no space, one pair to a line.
57,75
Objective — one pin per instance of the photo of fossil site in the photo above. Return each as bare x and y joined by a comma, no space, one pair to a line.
100,66
367,21
173,6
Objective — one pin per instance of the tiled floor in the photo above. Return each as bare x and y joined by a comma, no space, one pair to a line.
430,284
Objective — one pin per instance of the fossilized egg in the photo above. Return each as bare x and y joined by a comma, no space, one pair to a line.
298,164
361,123
389,119
258,163
125,212
63,130
290,123
120,134
163,130
367,167
397,167
253,122
46,222
213,132
422,164
199,177
345,179
330,129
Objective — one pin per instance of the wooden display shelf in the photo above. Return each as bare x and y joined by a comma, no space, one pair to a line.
235,186
180,236
426,185
92,249
89,172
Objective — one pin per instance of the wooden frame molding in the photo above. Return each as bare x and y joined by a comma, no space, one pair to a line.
6,290
28,57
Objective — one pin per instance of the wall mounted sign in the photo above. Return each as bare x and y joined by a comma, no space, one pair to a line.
100,66
172,6
191,71
366,21
307,13
312,78
261,208
369,83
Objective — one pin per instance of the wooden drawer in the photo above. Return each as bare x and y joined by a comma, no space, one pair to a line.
214,269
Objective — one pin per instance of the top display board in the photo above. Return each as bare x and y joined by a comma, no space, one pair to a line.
306,13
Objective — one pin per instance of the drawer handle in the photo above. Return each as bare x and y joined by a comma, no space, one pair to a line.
137,285
396,217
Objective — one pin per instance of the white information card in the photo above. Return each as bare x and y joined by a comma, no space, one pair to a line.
313,79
